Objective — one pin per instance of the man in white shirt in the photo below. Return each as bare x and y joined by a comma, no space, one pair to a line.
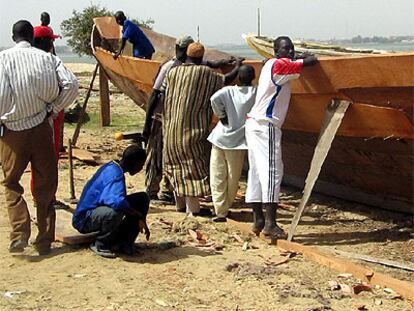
33,85
263,134
231,105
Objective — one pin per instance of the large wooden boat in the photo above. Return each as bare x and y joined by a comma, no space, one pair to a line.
371,159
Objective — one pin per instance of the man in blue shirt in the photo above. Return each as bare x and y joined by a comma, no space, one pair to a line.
142,47
105,208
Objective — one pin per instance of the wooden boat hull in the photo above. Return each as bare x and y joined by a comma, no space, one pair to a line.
371,160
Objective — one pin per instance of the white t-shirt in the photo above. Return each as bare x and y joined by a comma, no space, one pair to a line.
234,102
273,91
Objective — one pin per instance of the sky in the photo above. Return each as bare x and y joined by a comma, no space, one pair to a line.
223,21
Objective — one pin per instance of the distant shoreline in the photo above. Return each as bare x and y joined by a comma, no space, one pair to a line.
245,51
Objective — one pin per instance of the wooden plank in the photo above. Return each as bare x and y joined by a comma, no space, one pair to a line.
363,273
334,115
380,261
104,98
84,155
76,239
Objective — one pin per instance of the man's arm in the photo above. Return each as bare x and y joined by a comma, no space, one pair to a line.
229,77
309,60
220,63
218,106
152,103
5,93
68,85
117,54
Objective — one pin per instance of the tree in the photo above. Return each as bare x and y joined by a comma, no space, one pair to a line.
78,28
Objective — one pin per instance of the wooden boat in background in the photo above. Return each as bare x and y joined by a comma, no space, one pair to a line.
371,159
264,47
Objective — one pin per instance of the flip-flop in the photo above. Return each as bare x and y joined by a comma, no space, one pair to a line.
106,253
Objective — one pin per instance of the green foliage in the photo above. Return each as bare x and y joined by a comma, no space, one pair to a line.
78,28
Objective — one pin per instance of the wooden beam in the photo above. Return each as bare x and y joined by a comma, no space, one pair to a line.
333,118
363,273
83,111
104,97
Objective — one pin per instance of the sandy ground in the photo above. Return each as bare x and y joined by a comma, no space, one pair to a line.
173,271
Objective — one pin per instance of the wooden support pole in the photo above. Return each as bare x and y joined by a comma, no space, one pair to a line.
104,97
333,119
83,111
365,274
72,198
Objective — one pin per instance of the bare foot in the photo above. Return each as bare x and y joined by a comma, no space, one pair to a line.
258,226
274,232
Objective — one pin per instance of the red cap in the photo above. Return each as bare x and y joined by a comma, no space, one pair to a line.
44,32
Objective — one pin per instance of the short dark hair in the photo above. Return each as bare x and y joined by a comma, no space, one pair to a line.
133,154
23,30
43,43
246,74
45,18
120,15
278,40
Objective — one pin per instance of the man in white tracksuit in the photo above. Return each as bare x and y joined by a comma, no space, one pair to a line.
263,134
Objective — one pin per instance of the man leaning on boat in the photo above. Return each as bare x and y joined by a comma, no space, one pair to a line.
263,134
141,45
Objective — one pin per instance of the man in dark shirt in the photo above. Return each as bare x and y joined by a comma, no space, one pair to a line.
142,47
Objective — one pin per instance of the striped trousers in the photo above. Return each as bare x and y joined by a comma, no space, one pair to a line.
265,162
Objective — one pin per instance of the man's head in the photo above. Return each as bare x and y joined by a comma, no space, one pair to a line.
283,47
22,31
195,53
45,19
120,18
181,45
246,75
133,159
43,38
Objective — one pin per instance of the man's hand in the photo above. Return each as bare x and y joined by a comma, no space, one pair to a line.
224,120
144,228
117,54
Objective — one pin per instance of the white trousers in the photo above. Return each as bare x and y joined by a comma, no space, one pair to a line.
225,170
265,162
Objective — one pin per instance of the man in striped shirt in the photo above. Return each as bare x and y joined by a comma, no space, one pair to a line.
263,134
33,85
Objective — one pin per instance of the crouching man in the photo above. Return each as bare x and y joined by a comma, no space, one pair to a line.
105,208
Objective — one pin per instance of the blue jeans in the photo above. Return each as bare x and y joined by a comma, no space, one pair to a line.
114,227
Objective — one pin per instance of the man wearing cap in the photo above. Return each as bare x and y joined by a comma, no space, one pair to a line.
153,127
142,46
153,124
43,40
186,120
33,85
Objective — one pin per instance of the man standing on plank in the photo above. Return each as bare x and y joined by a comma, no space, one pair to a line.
263,134
33,85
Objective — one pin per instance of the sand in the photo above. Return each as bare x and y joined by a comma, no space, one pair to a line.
172,272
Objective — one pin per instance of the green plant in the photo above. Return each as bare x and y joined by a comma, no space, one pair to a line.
78,27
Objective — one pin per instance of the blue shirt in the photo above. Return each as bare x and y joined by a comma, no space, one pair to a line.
107,187
141,45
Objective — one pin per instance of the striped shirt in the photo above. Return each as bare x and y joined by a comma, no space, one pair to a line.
32,83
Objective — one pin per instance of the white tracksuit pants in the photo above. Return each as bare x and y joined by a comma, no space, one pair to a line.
265,162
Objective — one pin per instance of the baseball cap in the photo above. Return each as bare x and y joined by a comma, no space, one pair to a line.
44,32
184,41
